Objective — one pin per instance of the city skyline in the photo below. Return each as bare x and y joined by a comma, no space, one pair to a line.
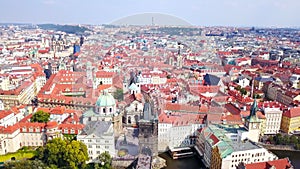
268,13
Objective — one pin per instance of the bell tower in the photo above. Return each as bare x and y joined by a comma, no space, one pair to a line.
252,123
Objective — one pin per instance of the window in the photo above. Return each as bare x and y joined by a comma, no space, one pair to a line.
90,146
97,146
103,110
106,141
98,152
106,147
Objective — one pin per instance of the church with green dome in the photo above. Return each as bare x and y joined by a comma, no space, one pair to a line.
105,109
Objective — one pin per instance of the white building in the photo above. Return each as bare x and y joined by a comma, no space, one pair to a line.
273,120
243,81
99,137
103,77
246,152
177,130
231,152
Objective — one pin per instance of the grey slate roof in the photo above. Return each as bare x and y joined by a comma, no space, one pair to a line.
261,79
211,80
96,127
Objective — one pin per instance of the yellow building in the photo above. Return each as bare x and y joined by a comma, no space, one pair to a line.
291,120
216,160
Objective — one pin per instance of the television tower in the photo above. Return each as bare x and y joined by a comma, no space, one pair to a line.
152,21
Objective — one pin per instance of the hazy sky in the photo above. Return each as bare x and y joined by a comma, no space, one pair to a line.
282,13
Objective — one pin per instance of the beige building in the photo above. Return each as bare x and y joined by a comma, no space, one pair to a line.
273,120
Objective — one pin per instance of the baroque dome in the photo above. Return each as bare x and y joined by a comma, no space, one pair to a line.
105,100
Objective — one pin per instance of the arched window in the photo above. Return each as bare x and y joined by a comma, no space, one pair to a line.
129,120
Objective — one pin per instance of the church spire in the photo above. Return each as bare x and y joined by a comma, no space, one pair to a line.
254,108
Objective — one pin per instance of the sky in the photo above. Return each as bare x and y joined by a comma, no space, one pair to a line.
264,13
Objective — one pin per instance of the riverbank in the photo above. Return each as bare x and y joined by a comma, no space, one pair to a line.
279,147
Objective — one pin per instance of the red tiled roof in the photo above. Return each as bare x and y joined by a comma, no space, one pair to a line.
104,74
214,139
181,107
51,124
293,112
181,119
71,126
278,164
9,129
5,113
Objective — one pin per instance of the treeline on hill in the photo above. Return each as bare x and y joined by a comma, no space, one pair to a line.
178,31
72,29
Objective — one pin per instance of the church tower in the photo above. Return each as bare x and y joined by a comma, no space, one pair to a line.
89,75
148,130
253,123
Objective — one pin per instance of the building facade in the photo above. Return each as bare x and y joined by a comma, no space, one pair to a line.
99,137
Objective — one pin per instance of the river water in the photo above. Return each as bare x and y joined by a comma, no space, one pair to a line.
196,163
294,156
185,163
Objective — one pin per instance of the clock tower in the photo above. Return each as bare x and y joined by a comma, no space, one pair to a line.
252,123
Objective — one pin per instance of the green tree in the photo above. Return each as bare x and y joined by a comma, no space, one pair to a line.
297,146
278,139
271,139
65,154
243,91
105,160
76,154
25,164
286,140
118,94
293,139
238,88
40,116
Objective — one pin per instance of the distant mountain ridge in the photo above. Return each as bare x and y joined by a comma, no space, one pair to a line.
72,29
151,19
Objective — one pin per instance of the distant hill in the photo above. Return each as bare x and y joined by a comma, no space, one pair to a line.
73,29
147,19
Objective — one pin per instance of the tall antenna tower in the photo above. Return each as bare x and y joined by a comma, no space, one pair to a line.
152,21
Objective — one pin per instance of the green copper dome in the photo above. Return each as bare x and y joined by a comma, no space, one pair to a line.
105,100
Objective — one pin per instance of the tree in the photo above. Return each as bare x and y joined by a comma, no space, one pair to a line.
293,139
105,160
26,164
243,91
65,154
119,94
238,88
40,116
285,140
271,139
297,146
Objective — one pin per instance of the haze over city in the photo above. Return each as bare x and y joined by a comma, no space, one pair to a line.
160,84
267,13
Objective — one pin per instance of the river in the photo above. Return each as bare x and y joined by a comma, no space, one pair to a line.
294,156
196,163
185,163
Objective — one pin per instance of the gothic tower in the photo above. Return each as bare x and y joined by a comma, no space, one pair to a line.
148,130
253,123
